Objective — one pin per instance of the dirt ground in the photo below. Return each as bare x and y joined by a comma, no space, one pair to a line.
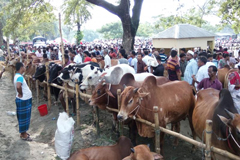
42,130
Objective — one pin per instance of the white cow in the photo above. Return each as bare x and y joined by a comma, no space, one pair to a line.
112,75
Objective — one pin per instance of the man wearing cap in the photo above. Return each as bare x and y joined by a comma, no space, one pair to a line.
191,68
234,87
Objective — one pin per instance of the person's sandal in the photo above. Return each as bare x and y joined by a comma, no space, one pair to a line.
27,139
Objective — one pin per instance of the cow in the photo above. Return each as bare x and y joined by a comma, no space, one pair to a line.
106,95
142,152
116,152
174,99
222,73
76,71
218,106
112,75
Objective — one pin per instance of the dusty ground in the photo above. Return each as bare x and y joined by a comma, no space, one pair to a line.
42,130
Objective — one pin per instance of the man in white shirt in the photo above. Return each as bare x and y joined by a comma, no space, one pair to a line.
146,60
107,59
39,52
134,61
23,102
202,71
76,57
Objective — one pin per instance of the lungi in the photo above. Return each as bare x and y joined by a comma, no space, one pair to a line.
24,108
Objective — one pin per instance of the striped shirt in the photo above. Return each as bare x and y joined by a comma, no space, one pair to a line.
173,68
163,58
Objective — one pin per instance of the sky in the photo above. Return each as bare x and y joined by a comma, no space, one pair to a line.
150,8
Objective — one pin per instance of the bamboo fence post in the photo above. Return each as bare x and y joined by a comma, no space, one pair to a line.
60,30
48,86
66,98
119,105
77,102
37,90
208,135
157,130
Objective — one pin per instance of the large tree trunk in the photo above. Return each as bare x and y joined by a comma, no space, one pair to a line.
129,24
1,34
78,26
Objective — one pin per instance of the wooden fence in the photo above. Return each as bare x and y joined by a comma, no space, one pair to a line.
208,130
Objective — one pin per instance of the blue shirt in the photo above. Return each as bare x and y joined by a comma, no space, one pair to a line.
190,70
130,60
215,62
163,58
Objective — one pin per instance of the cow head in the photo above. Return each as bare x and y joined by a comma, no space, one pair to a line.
99,95
67,73
54,72
233,123
92,79
13,61
131,99
142,152
40,73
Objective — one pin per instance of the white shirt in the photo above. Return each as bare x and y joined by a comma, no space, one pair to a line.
107,61
77,59
203,72
145,60
236,53
27,94
59,55
1,53
134,64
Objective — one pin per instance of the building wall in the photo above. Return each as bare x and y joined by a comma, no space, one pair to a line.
183,43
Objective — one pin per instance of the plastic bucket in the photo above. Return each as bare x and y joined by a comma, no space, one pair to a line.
43,110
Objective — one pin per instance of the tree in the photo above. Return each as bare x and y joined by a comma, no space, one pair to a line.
23,17
90,35
112,30
76,12
129,23
230,14
146,30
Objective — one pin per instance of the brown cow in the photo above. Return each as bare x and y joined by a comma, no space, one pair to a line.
174,99
219,108
222,73
116,152
142,152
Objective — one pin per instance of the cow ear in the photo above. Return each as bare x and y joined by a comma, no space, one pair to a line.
226,121
103,74
109,93
157,156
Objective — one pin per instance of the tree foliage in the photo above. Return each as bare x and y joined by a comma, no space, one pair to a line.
27,17
90,35
111,30
230,13
76,11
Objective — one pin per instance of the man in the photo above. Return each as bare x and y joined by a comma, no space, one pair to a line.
39,52
134,61
195,56
224,61
212,81
159,70
234,87
215,61
183,64
122,57
141,66
107,59
155,53
67,61
173,68
130,58
145,59
191,68
23,102
163,56
210,58
75,57
182,50
202,71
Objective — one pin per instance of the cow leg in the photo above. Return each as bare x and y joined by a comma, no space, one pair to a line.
193,133
61,98
177,129
162,141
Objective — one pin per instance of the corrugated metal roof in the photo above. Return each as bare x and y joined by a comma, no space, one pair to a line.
184,31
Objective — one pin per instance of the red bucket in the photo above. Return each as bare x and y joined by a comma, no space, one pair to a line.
43,110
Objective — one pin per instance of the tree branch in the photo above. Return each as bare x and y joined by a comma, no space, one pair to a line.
136,11
108,6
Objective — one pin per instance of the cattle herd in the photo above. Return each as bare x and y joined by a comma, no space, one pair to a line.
140,92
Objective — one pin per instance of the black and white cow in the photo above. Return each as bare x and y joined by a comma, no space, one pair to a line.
76,71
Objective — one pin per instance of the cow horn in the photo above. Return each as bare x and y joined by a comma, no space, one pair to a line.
132,150
230,113
124,86
148,145
135,90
